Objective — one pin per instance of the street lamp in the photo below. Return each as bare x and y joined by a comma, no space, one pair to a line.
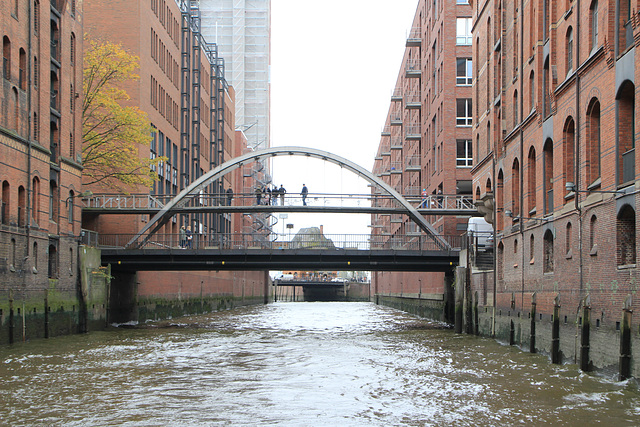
508,213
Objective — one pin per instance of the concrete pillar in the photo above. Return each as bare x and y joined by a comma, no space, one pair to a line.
625,340
585,345
12,326
461,275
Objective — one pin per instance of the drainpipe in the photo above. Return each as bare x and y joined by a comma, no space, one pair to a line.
576,165
521,113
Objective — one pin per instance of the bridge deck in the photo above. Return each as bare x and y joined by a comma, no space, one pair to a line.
279,259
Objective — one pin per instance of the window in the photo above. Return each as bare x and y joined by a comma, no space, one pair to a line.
547,265
36,73
464,153
515,189
593,143
463,31
70,207
463,112
35,209
569,50
462,1
592,234
515,108
568,239
532,181
153,150
36,17
548,176
532,89
569,147
625,122
593,15
626,236
532,249
22,70
464,76
6,58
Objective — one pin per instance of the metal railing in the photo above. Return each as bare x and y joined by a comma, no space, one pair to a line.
318,241
117,202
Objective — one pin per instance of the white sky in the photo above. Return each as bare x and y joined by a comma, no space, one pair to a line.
334,64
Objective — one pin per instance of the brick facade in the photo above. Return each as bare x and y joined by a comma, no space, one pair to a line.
40,164
557,84
426,139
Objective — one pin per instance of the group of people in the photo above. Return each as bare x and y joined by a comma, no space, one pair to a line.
267,196
186,237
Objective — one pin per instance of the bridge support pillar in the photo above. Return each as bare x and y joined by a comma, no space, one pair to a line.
123,298
461,275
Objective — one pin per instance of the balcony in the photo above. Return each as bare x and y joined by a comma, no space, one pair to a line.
412,132
396,118
397,94
396,142
385,150
386,131
412,163
396,167
414,38
412,68
412,101
54,100
396,218
411,191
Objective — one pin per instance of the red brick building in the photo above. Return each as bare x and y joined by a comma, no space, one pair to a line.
40,167
183,90
426,139
555,165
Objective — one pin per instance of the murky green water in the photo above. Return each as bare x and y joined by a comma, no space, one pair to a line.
310,364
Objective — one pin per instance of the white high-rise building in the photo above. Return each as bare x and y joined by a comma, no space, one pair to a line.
242,31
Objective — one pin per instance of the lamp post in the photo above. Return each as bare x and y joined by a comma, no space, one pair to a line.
508,213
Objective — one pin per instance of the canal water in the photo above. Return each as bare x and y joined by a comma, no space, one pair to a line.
299,364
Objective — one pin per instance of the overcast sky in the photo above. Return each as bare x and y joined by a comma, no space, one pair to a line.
334,64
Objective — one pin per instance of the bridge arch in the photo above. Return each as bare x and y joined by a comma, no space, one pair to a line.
195,187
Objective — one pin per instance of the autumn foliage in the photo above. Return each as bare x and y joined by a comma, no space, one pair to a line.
112,131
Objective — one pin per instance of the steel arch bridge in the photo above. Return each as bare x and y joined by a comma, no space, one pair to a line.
169,210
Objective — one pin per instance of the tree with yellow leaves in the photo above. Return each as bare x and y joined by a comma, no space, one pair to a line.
112,132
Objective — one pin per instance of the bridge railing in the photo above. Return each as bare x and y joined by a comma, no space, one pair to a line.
376,199
318,241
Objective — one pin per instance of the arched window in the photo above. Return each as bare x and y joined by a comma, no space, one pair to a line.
515,246
500,262
6,202
569,50
532,249
52,272
70,205
568,239
593,144
500,200
548,177
35,209
592,234
36,17
15,114
6,58
568,147
36,73
22,206
625,123
626,236
532,181
547,265
532,90
34,254
515,188
593,24
515,108
22,69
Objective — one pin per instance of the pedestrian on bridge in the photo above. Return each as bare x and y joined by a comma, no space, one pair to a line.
267,192
229,196
258,193
282,192
189,235
183,237
274,195
304,193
